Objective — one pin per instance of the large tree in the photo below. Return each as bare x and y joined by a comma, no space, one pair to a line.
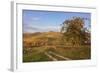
74,31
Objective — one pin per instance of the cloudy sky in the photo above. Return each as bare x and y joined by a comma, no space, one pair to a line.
44,21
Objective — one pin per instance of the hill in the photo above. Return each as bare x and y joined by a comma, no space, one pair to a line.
48,46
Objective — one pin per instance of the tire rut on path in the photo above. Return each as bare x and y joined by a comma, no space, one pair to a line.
55,57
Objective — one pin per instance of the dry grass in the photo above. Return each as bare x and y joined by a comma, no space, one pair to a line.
51,41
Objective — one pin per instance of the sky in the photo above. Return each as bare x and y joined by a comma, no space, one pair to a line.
44,21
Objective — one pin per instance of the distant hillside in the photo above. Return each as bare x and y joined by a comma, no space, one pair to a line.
40,35
41,39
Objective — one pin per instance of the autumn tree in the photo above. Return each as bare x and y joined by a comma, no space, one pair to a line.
74,31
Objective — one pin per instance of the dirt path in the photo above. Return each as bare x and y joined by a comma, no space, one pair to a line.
58,55
55,57
51,57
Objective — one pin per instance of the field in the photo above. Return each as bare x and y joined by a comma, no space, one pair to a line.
49,46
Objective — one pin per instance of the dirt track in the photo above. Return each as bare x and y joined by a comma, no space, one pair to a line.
55,56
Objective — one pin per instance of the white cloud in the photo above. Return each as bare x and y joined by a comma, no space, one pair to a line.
34,28
35,18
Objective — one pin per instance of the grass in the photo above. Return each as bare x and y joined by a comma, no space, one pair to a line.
35,57
36,53
76,53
